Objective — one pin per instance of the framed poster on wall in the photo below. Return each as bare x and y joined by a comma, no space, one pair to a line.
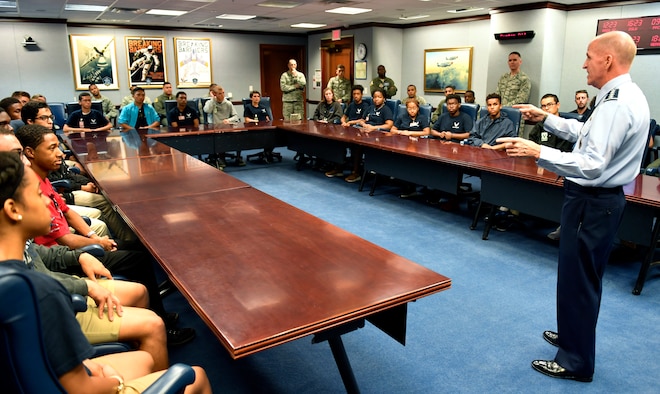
360,69
146,61
447,66
94,61
193,62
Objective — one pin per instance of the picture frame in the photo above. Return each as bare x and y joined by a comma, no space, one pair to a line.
447,66
193,62
94,61
147,66
360,70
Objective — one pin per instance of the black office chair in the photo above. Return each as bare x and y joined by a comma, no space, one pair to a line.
650,166
571,115
58,112
24,365
169,105
424,110
267,155
471,109
393,105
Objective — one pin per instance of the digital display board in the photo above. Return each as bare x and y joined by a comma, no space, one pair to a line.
644,30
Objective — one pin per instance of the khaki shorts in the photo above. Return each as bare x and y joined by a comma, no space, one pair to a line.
140,384
95,329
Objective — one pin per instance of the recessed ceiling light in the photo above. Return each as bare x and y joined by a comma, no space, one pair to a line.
349,10
84,7
7,4
308,25
236,17
409,18
166,12
279,4
461,10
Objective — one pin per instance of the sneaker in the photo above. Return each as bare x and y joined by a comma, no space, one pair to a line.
353,178
408,194
555,234
334,173
180,336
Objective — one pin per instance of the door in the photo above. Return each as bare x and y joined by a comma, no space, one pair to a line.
274,60
334,53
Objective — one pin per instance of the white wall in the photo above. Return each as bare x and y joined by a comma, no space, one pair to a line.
42,69
416,40
48,71
553,59
582,28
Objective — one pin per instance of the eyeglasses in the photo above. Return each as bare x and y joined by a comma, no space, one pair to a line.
45,118
548,105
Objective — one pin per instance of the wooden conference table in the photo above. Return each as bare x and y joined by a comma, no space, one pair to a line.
258,271
517,183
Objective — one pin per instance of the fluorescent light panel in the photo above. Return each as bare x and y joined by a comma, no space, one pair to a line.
308,25
349,10
7,4
166,12
85,7
236,17
279,4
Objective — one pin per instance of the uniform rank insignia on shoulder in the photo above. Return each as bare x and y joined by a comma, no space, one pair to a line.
612,95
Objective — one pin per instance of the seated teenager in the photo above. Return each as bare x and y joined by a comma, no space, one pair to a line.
328,110
255,112
41,147
356,110
489,128
379,118
84,193
182,115
86,118
25,215
452,125
411,123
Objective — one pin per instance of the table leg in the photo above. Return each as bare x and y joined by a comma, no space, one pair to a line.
333,336
644,269
343,364
488,222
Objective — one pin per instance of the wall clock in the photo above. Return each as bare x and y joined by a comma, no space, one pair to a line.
362,51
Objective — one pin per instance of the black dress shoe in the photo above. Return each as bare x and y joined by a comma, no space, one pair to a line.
553,369
551,337
179,336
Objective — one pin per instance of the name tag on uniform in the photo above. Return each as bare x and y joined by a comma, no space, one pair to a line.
181,117
544,136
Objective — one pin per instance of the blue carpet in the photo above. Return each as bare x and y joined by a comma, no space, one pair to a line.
479,336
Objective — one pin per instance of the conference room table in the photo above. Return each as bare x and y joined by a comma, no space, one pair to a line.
258,271
517,183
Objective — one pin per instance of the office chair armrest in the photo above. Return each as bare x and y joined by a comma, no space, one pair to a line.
62,185
94,250
78,303
177,377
